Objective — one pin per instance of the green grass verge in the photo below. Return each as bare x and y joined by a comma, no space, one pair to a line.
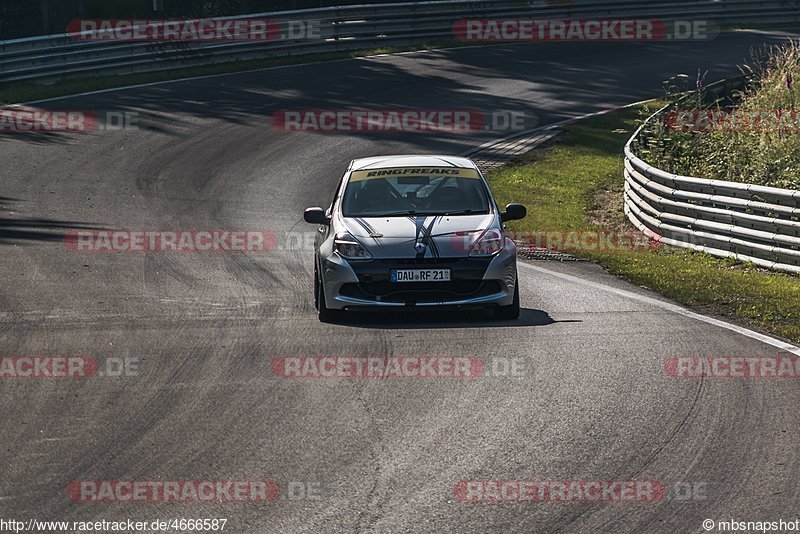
13,93
577,184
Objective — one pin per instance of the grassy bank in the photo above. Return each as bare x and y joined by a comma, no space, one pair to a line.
577,185
756,142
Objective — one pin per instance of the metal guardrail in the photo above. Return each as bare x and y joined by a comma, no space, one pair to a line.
747,222
349,28
742,221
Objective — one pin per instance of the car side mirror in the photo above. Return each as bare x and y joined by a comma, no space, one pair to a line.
315,215
514,212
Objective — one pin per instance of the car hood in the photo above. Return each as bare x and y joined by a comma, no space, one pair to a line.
419,236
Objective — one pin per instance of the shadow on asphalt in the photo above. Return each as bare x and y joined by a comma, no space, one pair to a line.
16,231
565,74
38,137
449,319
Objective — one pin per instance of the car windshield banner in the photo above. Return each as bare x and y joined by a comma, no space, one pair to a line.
455,172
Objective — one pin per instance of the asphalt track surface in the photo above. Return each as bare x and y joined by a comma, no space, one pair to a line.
593,403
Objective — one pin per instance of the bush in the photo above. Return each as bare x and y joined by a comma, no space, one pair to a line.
768,155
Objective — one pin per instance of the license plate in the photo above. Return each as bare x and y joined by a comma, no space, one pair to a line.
421,275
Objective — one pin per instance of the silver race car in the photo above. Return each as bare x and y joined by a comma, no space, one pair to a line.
414,232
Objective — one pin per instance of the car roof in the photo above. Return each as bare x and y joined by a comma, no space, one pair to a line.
411,160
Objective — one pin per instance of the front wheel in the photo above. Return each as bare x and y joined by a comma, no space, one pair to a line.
325,314
511,312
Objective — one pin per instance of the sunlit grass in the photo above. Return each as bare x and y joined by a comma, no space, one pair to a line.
577,185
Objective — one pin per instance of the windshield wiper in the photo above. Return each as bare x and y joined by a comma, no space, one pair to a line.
461,212
397,214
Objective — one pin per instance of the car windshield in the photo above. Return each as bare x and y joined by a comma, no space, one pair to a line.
406,191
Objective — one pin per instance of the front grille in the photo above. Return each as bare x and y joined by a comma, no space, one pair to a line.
411,292
455,286
374,280
422,261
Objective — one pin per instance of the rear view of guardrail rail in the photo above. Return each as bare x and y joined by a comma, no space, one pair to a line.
742,221
348,28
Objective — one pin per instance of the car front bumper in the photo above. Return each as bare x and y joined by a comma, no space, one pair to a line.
475,282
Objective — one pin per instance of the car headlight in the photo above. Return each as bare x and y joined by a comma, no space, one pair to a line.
349,248
488,244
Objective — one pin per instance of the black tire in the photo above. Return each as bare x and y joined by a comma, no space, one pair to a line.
509,313
325,314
